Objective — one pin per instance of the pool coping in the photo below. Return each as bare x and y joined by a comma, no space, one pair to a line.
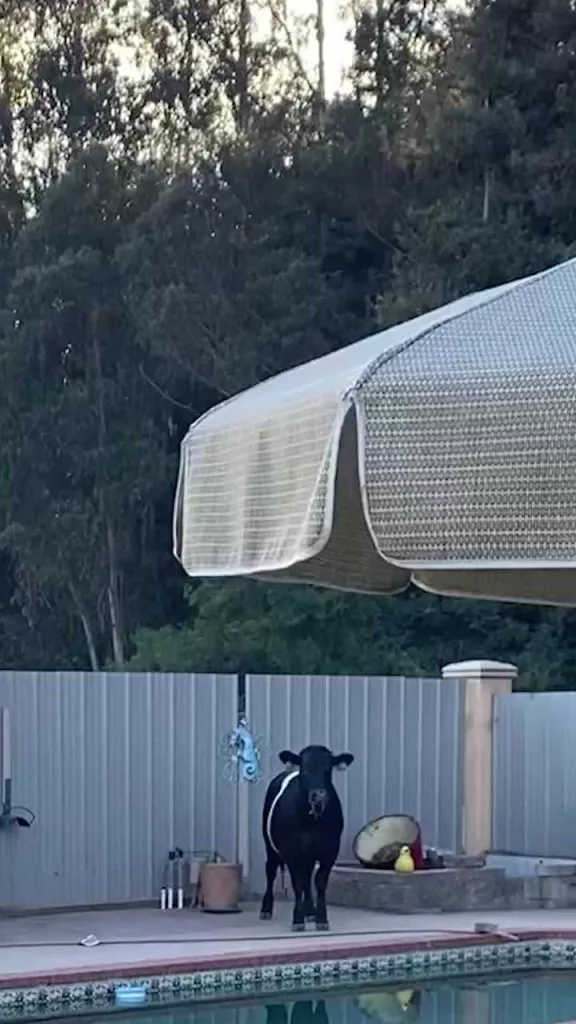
309,954
253,959
221,978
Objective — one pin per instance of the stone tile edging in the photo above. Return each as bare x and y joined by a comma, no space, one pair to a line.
84,990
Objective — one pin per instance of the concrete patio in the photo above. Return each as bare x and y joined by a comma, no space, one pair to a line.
42,947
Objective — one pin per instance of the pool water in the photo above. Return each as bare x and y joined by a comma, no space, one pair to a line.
538,999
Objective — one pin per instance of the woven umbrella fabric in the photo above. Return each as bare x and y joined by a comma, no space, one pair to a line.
442,450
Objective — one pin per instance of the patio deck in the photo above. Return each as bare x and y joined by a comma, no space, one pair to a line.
45,948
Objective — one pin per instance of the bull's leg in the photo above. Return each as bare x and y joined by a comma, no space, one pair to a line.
302,1012
276,1014
300,878
321,1013
322,876
309,909
272,865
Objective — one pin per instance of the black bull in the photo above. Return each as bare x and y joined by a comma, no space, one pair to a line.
302,824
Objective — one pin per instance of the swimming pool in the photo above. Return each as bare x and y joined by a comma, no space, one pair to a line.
545,999
288,988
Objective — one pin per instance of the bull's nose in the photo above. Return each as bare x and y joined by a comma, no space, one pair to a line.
318,798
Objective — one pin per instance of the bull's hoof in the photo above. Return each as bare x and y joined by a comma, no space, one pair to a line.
322,926
299,927
265,915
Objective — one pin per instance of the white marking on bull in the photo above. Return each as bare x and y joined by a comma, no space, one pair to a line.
285,783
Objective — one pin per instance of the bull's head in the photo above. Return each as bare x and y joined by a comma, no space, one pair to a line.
315,766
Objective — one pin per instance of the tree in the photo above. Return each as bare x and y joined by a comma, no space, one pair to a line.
64,84
217,288
492,197
395,43
209,76
243,626
85,448
183,212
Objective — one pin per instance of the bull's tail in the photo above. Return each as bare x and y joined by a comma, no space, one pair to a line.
283,878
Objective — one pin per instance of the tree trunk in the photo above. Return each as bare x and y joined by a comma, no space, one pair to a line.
7,121
487,196
242,73
113,589
114,602
86,628
487,186
380,57
321,39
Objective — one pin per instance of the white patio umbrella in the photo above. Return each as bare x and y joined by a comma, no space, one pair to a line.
441,451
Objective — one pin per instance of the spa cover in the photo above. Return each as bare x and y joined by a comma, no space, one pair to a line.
441,451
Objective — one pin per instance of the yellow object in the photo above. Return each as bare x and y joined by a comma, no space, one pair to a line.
404,862
405,997
389,1007
382,1007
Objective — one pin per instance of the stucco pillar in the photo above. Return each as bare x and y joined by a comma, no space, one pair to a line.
484,680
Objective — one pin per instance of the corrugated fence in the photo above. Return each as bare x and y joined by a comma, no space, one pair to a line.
535,774
117,769
120,768
406,737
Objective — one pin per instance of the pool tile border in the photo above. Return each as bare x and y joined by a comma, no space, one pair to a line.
395,962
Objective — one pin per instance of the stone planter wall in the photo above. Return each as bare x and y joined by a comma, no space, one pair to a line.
449,890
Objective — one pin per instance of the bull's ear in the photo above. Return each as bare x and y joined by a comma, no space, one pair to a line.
287,757
342,762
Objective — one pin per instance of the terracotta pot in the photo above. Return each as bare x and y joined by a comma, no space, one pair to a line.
220,887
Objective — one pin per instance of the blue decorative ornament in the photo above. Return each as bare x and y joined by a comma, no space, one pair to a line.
242,751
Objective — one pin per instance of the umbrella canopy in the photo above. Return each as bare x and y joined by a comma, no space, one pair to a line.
441,451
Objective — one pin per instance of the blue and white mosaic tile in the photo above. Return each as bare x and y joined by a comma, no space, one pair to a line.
76,998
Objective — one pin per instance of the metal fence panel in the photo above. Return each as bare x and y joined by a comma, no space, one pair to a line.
406,736
118,769
535,774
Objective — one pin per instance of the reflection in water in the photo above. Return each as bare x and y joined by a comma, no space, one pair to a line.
305,1011
526,1000
391,1007
398,1007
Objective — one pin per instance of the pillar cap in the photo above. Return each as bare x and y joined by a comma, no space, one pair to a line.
480,670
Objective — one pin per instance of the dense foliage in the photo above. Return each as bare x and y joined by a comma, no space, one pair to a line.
185,211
